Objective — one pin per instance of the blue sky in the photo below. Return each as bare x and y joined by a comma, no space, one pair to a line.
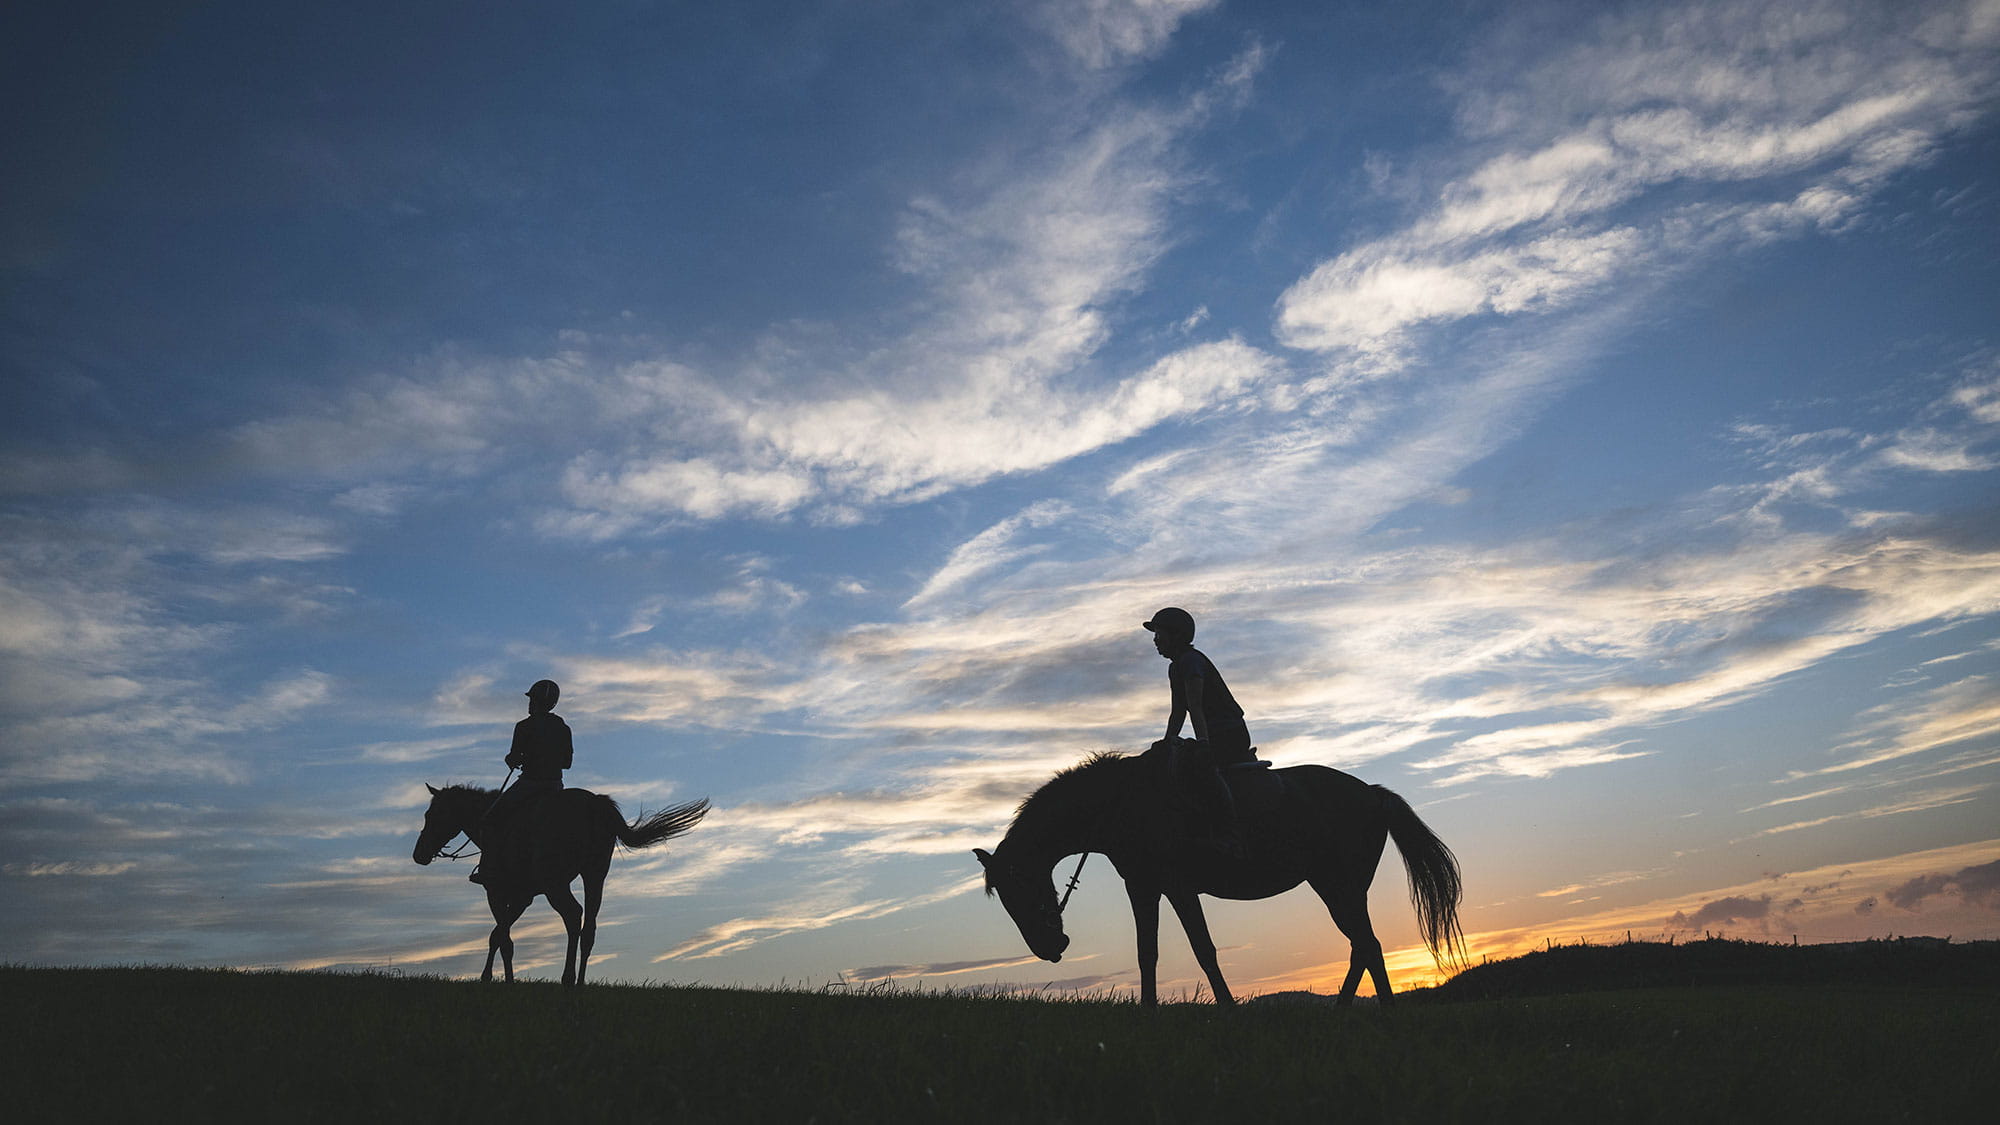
1582,419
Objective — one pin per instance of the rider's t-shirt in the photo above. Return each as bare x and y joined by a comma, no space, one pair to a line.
542,748
1227,732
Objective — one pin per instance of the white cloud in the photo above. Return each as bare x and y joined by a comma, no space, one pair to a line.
815,912
1795,114
1951,714
754,588
379,499
1916,802
696,487
1521,660
1369,298
998,374
989,549
1103,33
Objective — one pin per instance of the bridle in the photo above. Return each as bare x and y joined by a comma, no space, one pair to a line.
460,852
1062,904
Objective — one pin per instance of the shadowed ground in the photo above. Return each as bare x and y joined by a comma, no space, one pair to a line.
123,1043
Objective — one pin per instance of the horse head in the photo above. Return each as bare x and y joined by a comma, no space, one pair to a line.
1030,900
441,823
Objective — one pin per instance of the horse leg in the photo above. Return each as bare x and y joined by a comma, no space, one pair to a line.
572,916
1187,904
1146,924
593,897
501,940
1347,902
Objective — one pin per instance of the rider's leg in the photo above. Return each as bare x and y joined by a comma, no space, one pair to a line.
1221,811
1229,745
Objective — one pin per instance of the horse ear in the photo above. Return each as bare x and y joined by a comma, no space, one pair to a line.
432,788
985,857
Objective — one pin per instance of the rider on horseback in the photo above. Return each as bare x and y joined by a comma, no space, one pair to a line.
541,751
1221,738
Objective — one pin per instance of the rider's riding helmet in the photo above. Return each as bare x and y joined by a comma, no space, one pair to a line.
1174,620
542,697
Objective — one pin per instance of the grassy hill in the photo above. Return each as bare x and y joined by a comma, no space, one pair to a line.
1917,961
105,1044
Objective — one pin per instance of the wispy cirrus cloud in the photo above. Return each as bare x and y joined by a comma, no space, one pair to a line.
1103,33
871,973
1951,714
1923,801
1520,660
815,913
1791,117
989,549
97,644
999,372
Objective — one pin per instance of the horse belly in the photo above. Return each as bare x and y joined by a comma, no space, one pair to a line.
1244,881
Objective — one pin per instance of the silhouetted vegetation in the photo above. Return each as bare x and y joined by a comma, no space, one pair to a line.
123,1044
1918,961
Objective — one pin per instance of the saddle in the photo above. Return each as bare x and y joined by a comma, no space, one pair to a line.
1256,790
513,819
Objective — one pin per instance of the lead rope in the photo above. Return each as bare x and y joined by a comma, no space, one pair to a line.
1074,878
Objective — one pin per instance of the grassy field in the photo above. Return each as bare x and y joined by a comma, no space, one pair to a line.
105,1044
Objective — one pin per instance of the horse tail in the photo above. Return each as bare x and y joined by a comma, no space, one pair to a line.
652,828
1435,889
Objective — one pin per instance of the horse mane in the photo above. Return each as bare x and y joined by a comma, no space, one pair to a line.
1088,784
1075,778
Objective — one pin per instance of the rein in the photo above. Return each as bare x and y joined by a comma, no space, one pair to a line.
460,852
1074,878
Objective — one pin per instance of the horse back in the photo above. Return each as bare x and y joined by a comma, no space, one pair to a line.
562,818
1325,783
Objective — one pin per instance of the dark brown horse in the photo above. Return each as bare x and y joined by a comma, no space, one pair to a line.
1305,824
547,845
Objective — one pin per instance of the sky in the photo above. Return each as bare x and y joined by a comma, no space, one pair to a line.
1582,419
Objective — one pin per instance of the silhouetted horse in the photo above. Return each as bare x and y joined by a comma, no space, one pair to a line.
1310,824
548,844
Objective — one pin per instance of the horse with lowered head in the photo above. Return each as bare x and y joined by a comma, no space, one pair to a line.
546,846
1304,824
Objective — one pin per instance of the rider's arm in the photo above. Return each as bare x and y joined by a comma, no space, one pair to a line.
568,748
514,759
1195,709
1177,714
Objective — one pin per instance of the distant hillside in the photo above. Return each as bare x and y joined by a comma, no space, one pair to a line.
1916,961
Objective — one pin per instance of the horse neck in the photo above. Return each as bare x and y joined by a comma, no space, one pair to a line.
471,812
1066,817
